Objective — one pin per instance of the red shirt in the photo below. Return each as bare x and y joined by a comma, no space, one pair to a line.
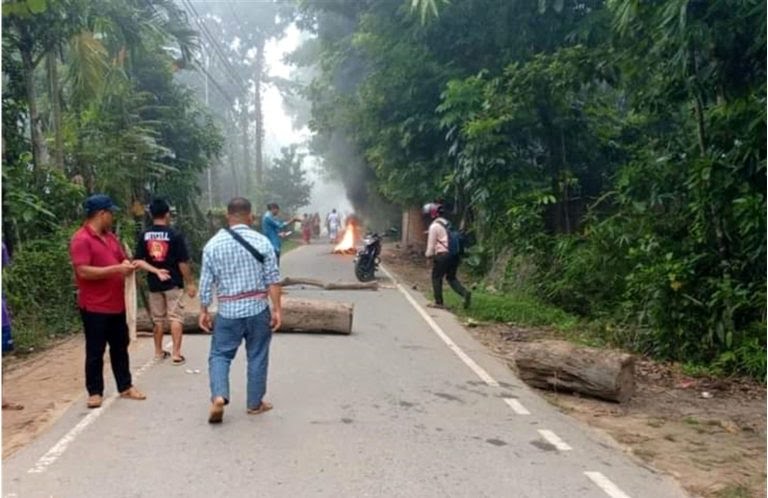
105,295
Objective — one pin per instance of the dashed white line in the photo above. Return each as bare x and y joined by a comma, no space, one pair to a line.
606,485
554,440
516,406
479,371
61,445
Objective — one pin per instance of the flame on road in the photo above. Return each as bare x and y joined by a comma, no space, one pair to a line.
347,241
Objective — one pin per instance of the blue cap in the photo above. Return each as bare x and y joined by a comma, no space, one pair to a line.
98,202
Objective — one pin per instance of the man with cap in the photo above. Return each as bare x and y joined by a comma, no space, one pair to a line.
164,247
271,227
100,269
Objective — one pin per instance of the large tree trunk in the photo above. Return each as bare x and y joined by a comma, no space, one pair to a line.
258,76
299,315
562,366
55,96
28,64
244,129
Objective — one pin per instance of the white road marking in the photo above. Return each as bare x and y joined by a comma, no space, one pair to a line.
479,371
60,447
554,440
516,406
606,485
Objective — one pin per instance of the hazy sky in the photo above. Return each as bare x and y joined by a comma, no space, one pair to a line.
279,130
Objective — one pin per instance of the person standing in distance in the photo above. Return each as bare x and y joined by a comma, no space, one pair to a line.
241,265
100,269
271,227
163,247
334,223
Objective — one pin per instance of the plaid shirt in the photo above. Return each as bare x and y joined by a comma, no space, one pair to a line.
234,271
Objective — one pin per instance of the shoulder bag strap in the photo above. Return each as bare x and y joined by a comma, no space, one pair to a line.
254,252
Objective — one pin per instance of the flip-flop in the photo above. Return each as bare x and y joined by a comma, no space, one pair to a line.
179,361
165,356
217,413
133,393
12,406
263,407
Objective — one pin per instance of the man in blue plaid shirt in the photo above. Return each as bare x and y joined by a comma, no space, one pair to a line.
244,288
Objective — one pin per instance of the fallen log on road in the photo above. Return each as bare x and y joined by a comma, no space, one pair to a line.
288,281
299,315
562,366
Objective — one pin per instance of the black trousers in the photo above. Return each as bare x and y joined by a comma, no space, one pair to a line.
102,329
445,266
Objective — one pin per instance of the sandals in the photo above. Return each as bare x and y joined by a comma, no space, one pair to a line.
179,361
12,406
94,401
217,412
133,393
263,407
164,356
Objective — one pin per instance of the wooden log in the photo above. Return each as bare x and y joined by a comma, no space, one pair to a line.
288,281
299,315
562,366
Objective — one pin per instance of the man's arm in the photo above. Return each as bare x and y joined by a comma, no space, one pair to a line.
431,241
87,272
206,292
80,254
275,296
163,275
189,279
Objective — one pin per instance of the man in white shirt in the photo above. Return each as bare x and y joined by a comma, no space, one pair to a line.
334,222
444,264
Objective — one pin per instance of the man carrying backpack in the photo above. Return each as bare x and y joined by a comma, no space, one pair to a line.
444,248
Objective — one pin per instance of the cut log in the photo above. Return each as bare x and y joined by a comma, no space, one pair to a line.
299,315
288,281
562,366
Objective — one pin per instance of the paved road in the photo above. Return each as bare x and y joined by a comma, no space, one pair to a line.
401,408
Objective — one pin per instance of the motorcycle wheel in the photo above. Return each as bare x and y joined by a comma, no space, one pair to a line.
364,272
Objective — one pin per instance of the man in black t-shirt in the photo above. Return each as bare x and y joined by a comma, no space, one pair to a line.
165,248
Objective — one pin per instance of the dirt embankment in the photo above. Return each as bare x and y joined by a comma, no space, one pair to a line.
710,434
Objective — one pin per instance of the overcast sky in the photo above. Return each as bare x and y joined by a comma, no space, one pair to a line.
279,131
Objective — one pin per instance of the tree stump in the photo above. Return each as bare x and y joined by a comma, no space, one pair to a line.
299,315
562,366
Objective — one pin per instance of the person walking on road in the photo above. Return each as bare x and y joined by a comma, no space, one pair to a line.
306,229
100,269
7,336
272,227
334,222
445,264
242,265
163,247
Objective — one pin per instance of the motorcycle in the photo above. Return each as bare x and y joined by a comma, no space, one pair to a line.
367,259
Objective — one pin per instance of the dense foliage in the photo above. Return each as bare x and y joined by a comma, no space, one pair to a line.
612,149
92,103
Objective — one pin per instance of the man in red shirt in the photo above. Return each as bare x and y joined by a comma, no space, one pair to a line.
100,269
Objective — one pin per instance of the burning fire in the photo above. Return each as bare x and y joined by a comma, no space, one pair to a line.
347,243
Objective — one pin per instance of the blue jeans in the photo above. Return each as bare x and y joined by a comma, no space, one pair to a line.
228,333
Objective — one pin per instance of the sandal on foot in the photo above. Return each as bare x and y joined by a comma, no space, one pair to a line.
263,407
94,401
179,361
216,414
133,393
436,306
164,356
12,406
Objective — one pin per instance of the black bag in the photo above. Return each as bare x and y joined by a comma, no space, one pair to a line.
256,254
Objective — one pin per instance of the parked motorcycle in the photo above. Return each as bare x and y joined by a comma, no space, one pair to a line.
367,260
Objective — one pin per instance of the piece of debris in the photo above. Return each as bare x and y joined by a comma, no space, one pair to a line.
707,395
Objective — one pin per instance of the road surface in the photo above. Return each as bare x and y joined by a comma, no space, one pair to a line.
409,405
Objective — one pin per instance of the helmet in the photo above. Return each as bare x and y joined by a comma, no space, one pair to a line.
433,209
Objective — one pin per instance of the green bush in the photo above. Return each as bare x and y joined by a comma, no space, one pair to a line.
39,287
